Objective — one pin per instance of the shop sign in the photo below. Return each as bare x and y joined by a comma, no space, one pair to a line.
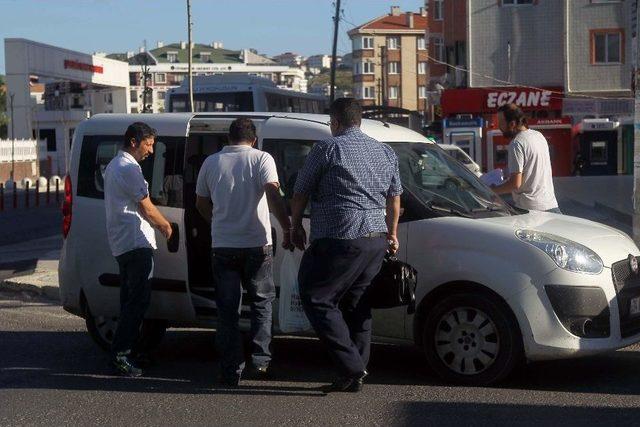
77,65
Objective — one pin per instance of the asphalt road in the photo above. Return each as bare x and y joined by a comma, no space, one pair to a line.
52,374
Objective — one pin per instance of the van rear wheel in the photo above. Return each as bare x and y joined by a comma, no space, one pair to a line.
102,329
472,339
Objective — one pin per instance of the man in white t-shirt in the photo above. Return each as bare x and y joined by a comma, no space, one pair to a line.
236,188
131,218
530,179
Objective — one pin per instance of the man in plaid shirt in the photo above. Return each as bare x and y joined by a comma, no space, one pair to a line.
353,183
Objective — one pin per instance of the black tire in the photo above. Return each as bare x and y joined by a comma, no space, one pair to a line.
468,353
102,330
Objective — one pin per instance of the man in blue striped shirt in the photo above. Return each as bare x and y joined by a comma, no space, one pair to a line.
353,183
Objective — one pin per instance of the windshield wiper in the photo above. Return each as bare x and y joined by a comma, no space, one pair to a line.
493,207
448,209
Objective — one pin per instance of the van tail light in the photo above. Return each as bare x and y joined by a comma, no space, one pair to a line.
66,207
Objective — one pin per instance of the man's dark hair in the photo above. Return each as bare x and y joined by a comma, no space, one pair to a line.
346,111
513,113
242,129
138,131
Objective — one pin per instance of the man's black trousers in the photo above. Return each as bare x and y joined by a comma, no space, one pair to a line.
334,275
135,296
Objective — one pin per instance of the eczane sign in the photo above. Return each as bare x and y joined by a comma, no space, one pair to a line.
532,98
488,100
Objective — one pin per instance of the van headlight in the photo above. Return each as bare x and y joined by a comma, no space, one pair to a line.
566,254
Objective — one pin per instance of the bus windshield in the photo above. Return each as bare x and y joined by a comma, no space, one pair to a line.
216,102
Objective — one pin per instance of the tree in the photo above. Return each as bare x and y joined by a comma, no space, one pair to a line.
4,118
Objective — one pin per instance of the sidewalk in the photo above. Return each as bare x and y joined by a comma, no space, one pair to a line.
31,266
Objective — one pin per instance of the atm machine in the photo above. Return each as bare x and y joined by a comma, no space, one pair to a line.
598,146
466,133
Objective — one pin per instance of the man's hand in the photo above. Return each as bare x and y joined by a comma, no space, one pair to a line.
393,244
286,240
299,237
166,230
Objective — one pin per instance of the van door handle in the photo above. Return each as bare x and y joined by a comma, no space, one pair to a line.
174,242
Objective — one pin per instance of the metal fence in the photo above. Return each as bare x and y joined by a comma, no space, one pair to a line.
24,150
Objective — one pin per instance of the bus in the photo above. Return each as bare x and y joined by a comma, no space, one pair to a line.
242,93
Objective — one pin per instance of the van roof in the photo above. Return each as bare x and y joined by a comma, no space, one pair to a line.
170,123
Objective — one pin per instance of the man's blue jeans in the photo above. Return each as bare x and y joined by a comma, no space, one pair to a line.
251,269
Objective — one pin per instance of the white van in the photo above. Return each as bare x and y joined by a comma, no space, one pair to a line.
496,285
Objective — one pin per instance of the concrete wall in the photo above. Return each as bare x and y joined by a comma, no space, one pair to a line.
585,16
535,33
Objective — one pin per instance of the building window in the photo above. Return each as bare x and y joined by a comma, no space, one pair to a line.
393,92
172,56
362,43
205,56
133,96
422,44
161,78
367,42
178,78
393,42
516,2
606,47
161,95
422,68
394,67
422,92
369,92
357,68
438,48
368,68
438,11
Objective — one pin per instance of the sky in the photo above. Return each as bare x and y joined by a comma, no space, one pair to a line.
270,26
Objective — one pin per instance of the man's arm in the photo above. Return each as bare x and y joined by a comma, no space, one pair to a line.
393,214
298,205
205,208
513,183
152,214
279,210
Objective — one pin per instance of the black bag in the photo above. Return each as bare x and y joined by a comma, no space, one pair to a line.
394,286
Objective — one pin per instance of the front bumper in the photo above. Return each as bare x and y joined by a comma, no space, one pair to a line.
543,332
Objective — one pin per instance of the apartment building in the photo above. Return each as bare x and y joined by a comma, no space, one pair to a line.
447,38
390,61
581,46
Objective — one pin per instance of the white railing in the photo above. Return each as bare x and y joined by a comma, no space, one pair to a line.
24,150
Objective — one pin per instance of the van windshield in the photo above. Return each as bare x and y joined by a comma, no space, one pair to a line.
444,185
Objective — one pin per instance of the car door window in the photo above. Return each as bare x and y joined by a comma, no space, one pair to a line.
289,156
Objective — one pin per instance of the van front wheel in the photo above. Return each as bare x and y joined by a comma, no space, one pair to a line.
102,330
472,339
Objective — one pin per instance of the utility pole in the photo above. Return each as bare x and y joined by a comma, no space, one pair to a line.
383,73
189,25
635,16
146,76
332,82
13,143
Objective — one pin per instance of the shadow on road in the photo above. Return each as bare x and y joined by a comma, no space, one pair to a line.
482,414
186,363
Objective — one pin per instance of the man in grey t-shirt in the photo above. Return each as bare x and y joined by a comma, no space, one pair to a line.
530,180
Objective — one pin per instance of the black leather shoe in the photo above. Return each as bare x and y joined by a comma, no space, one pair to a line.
346,384
229,381
260,373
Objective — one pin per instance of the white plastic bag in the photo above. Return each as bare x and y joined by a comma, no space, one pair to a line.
291,315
